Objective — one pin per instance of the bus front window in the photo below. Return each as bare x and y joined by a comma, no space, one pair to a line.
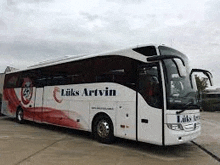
180,93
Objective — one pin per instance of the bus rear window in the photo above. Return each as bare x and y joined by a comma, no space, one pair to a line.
11,80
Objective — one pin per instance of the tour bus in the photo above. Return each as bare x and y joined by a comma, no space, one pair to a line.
147,94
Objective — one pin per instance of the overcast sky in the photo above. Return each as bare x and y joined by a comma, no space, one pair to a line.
35,30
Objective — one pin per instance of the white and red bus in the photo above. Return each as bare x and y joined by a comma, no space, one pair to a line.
146,94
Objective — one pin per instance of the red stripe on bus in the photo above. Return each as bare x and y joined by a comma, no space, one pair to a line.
42,114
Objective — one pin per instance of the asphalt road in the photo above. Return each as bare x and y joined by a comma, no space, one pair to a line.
32,143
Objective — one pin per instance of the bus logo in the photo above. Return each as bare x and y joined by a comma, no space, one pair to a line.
55,94
26,91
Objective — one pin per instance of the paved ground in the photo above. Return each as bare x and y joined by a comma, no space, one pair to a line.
210,137
31,143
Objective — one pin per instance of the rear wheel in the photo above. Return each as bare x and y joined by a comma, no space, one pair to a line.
103,129
20,116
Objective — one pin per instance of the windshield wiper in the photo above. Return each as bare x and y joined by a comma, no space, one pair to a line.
185,107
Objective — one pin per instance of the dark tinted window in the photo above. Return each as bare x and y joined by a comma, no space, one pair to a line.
213,96
11,80
150,84
147,51
116,69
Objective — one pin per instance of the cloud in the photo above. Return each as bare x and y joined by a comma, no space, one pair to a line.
16,2
126,1
89,17
3,26
41,29
212,11
21,54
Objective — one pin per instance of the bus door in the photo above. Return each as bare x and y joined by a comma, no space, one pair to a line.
38,105
149,113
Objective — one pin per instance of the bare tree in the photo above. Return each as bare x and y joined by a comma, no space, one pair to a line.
202,83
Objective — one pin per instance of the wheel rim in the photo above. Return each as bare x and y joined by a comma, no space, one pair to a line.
103,129
20,115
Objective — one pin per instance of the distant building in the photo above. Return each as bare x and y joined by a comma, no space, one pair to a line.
9,69
2,77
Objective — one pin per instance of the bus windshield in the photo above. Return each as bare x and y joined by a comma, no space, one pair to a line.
180,93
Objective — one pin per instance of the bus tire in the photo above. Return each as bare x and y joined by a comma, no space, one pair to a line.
103,129
20,116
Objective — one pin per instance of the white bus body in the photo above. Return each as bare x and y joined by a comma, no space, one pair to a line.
117,94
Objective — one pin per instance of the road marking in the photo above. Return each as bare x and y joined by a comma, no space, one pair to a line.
207,151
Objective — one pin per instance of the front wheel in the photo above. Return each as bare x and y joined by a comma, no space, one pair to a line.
103,129
20,116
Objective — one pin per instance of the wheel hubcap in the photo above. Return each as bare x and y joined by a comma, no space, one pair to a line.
20,115
103,129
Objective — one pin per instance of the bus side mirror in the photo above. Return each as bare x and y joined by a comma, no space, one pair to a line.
179,62
205,72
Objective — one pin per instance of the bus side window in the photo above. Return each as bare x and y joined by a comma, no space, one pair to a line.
150,86
12,81
122,72
41,82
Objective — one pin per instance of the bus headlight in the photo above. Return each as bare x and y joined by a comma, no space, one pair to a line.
176,127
